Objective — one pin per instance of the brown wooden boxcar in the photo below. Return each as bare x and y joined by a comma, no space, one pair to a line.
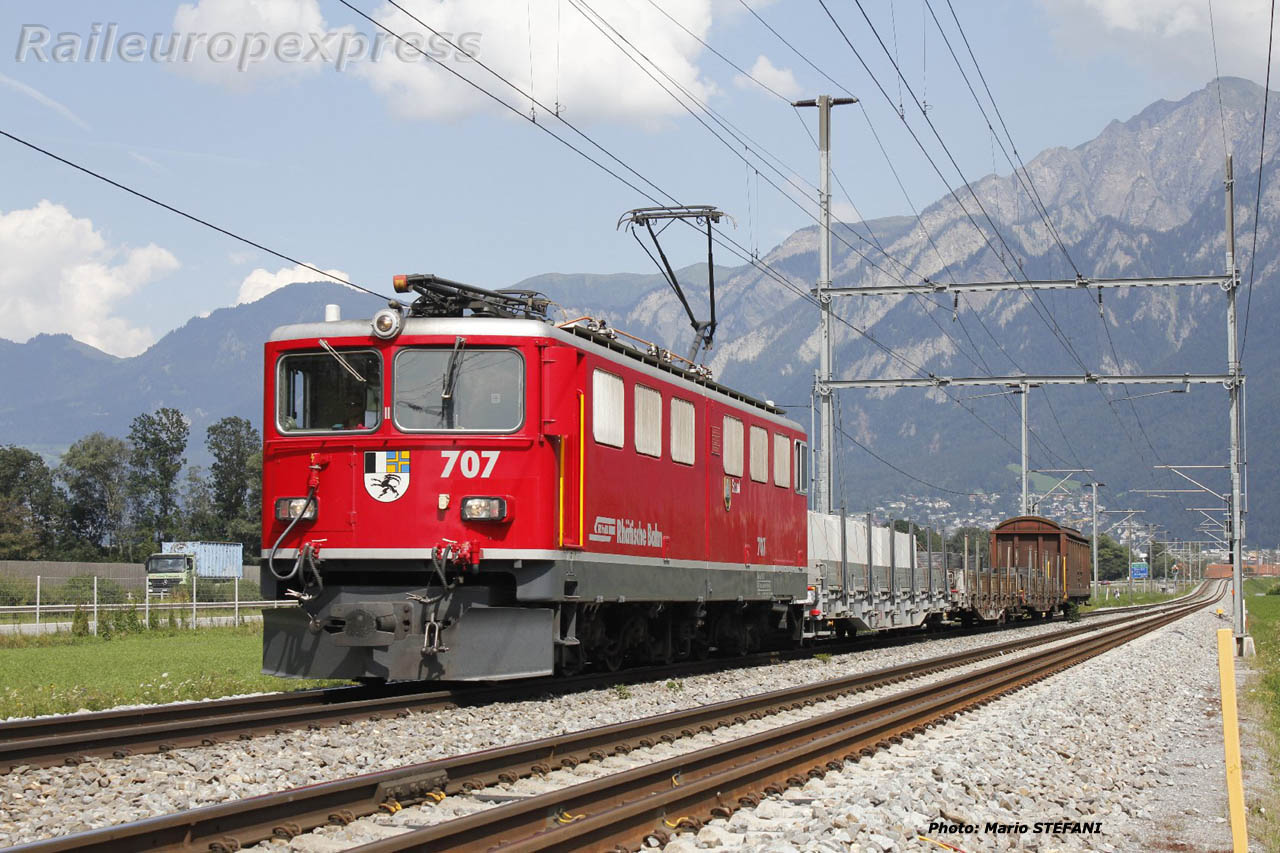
1041,546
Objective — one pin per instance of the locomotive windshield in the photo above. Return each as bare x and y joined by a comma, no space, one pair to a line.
322,391
459,388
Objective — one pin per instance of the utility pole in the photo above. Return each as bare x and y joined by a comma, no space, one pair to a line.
1026,503
1094,589
1129,542
1150,531
824,490
1244,644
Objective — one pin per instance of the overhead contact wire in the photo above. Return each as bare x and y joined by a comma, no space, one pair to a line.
188,216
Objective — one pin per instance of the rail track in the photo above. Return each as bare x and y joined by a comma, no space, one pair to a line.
626,808
75,738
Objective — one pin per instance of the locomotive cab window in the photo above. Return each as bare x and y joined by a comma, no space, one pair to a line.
459,388
802,468
759,455
327,391
732,446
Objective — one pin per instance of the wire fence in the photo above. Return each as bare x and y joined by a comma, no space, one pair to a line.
46,597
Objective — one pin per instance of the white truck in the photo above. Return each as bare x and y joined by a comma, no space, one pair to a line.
178,562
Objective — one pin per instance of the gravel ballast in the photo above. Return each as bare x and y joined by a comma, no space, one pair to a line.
1125,748
373,827
44,802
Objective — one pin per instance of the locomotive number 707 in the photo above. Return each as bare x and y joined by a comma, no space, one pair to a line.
468,462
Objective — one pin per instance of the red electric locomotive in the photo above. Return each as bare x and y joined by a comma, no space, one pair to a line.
464,490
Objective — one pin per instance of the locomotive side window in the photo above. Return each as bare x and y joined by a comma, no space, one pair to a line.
459,388
802,468
682,431
781,460
759,455
732,446
648,421
608,417
337,390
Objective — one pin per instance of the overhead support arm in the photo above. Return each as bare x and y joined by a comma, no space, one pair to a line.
1202,487
928,286
935,381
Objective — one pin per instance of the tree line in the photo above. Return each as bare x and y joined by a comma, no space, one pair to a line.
113,498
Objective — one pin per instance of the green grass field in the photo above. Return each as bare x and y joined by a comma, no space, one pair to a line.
1138,598
59,674
1261,700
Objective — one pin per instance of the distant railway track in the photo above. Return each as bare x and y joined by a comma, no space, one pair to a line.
627,807
74,738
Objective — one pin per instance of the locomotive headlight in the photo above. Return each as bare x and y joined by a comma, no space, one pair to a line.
387,323
287,509
484,509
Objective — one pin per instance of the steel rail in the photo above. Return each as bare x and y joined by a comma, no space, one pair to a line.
628,808
228,825
75,738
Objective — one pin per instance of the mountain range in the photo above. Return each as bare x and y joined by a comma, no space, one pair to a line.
1143,198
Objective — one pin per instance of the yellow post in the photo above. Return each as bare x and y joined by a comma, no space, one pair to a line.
1231,739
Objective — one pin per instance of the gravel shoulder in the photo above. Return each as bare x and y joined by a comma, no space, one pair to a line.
1127,746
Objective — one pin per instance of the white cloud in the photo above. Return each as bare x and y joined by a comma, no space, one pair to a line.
1169,35
780,80
570,60
260,282
560,56
550,49
238,42
60,275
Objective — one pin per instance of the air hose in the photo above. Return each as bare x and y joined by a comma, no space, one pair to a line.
297,564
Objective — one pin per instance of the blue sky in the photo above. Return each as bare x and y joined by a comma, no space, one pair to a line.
388,166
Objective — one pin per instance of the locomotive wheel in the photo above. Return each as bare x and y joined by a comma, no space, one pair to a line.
611,656
634,637
731,636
